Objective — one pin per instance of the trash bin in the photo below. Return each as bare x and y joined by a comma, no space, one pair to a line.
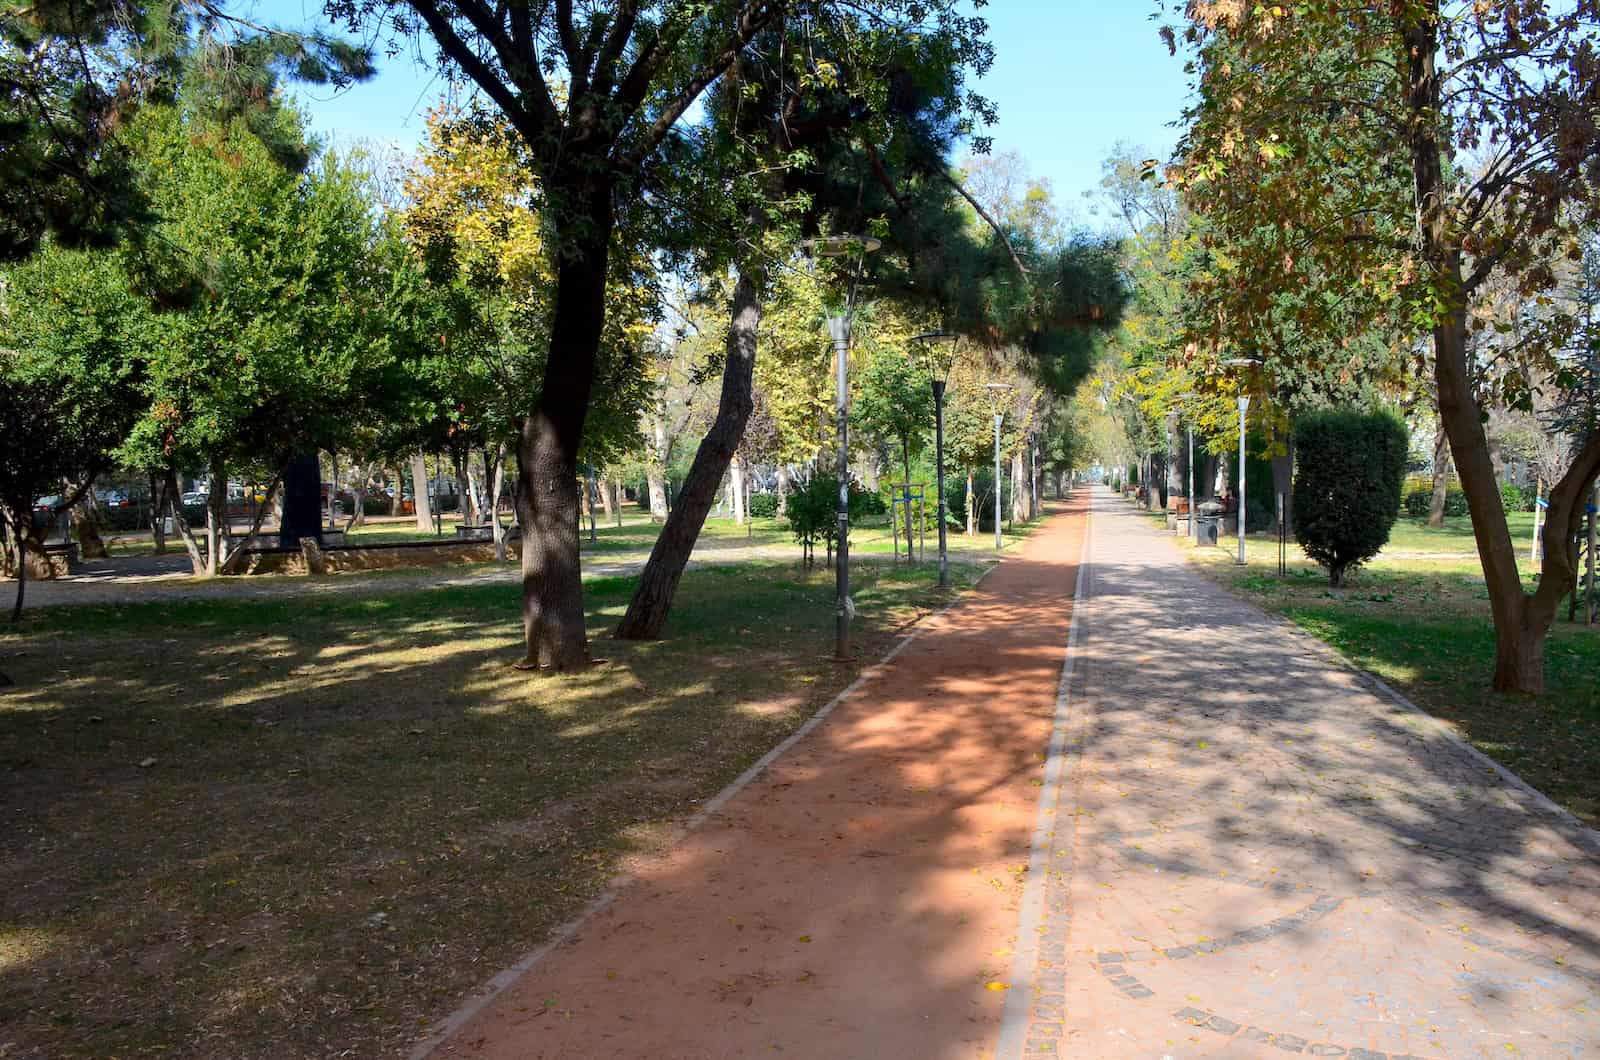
1207,524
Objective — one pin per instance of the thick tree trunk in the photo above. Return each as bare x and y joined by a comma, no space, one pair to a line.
658,583
419,493
1441,475
784,486
84,522
547,445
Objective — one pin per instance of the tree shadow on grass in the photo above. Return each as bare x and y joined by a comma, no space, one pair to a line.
289,827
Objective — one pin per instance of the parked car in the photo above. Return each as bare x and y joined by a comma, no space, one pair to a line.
114,499
195,499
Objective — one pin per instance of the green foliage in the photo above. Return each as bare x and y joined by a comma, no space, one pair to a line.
813,509
894,404
1418,499
72,339
1349,469
74,74
763,505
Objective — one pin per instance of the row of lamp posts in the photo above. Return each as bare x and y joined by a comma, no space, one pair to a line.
939,364
1243,403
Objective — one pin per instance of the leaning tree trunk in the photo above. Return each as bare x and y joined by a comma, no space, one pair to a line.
419,493
547,444
652,599
1441,475
180,522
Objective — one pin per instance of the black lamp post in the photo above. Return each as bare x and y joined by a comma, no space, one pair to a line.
938,355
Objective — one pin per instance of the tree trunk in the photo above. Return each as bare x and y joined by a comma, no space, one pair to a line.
419,493
84,520
229,562
333,489
784,486
1019,501
1520,621
658,583
1441,475
736,473
547,444
393,475
1283,484
180,522
972,516
358,502
158,513
21,531
216,518
607,500
655,474
497,485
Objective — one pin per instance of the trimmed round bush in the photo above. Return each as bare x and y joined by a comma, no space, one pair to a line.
763,505
1349,468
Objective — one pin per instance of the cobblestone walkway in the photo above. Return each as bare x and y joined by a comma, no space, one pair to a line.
1251,852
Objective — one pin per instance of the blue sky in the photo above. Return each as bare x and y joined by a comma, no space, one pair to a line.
1071,79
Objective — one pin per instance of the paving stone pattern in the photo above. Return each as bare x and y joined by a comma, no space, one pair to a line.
1254,853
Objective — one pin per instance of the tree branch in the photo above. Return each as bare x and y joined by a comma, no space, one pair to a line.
990,221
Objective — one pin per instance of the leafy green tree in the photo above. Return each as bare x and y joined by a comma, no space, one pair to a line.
72,75
894,404
1307,118
73,337
275,308
1347,486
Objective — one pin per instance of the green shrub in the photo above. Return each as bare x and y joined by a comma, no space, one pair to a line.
813,511
1418,500
1518,498
763,505
1348,475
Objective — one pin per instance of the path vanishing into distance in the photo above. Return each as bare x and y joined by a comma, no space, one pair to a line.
1202,836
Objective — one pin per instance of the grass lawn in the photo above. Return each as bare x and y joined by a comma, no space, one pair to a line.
1423,625
310,826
